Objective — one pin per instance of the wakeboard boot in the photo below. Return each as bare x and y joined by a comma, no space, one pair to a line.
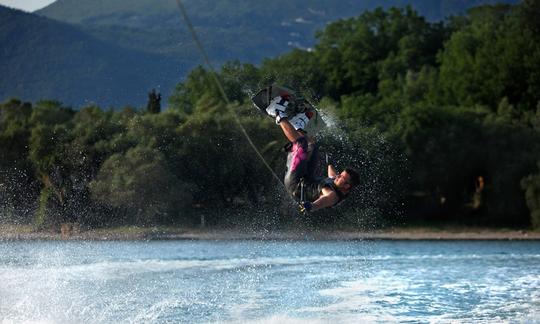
301,120
276,101
309,121
281,102
279,108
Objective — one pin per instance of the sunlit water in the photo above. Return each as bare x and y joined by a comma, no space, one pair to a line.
252,281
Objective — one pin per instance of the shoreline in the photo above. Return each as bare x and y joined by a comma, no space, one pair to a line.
133,233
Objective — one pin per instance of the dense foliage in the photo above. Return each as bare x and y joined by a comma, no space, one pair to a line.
442,119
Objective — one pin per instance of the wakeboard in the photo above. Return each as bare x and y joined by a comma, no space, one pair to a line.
297,103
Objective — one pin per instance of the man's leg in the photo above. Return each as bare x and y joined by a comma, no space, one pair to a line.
297,166
290,132
313,160
311,149
297,159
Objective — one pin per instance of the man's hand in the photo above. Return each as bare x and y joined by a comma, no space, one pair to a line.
331,171
305,207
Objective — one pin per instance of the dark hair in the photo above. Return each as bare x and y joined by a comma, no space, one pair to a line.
355,177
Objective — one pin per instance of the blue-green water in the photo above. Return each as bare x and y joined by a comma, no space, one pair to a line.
267,282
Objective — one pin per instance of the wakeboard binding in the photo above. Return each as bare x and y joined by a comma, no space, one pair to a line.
280,102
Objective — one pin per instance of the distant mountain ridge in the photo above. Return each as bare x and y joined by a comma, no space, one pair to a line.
112,52
248,30
45,59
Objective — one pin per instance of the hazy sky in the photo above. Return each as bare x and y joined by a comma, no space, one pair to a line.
26,5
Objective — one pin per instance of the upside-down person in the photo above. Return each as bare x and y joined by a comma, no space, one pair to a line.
313,192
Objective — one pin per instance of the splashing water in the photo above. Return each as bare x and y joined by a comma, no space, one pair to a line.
267,282
380,164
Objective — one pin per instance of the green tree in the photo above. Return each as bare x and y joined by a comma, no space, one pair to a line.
442,144
48,141
186,94
239,80
357,53
298,69
217,158
91,135
154,102
510,150
531,185
492,57
18,188
140,183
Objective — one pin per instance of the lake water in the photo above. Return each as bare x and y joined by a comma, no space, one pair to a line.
269,282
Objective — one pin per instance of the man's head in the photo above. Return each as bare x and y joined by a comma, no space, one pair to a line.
347,180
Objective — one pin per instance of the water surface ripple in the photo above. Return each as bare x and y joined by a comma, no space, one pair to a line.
270,281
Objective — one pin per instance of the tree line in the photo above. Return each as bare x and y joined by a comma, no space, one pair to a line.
441,118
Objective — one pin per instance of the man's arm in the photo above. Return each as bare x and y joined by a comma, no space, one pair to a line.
328,198
331,171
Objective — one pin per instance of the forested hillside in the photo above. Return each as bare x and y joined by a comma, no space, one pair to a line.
245,30
43,59
143,44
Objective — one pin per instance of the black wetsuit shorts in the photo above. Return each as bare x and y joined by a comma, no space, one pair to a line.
302,162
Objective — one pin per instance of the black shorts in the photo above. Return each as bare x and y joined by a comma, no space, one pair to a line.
302,161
